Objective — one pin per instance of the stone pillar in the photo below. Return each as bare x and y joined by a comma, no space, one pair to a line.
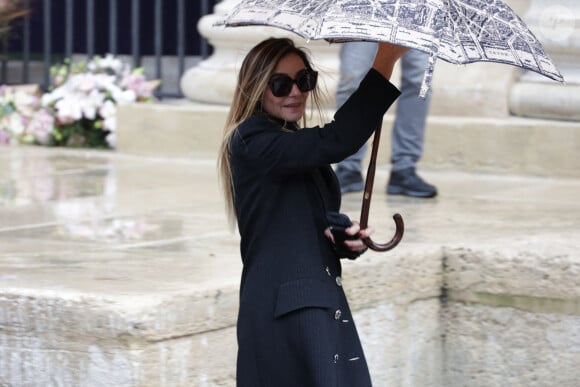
213,80
556,24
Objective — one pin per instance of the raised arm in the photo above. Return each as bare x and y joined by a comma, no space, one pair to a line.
387,55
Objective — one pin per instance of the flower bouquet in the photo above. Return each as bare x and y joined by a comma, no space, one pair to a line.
80,108
84,96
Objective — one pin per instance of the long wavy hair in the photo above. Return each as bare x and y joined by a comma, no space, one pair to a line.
257,68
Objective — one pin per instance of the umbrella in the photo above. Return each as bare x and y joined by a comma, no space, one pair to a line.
457,31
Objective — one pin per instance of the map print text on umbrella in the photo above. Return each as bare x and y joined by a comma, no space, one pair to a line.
457,31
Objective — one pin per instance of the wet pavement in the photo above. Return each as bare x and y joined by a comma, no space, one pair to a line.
121,270
74,221
99,222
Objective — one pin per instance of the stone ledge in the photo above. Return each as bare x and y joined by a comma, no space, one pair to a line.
175,129
126,335
516,146
508,145
546,268
523,303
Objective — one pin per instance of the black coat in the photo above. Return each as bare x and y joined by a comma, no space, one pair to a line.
295,327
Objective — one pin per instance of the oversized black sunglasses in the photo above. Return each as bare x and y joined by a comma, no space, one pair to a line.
281,84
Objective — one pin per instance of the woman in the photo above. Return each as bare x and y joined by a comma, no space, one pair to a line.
294,326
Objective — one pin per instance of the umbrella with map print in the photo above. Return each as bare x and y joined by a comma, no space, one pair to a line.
457,31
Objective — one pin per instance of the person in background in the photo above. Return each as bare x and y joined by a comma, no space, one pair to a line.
295,327
409,127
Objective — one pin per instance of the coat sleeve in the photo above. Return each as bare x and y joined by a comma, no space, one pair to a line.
274,151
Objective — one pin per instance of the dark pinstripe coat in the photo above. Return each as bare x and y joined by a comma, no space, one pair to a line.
294,325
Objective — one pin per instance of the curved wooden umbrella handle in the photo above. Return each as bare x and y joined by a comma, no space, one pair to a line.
364,215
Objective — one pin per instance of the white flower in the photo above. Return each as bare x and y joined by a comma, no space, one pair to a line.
103,81
25,103
16,125
58,93
68,109
83,82
128,96
109,113
91,103
112,139
109,62
6,95
5,123
119,95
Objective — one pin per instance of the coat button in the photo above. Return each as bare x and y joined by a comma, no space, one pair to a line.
337,314
339,281
336,358
328,271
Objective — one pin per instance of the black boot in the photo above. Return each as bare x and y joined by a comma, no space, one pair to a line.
407,182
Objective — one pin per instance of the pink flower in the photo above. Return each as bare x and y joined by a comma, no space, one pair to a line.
137,82
41,126
4,137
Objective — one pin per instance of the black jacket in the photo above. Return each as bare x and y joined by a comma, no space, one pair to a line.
294,325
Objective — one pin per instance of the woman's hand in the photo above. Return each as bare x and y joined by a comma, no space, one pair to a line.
387,55
354,231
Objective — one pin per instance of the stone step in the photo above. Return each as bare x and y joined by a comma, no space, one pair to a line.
510,145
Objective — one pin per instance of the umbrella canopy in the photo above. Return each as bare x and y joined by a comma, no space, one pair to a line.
457,31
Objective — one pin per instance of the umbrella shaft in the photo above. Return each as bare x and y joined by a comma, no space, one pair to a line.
370,178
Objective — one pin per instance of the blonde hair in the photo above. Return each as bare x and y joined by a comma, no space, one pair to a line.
257,68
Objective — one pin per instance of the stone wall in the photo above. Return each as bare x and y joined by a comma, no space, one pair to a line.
512,315
496,315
